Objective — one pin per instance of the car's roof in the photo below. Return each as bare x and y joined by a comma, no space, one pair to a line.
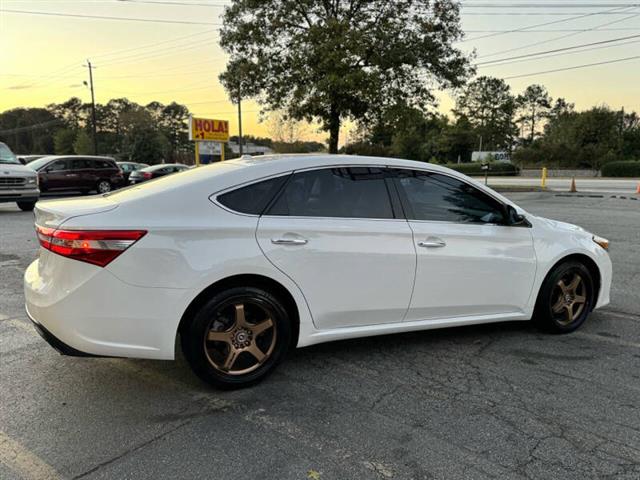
302,161
162,165
99,157
219,176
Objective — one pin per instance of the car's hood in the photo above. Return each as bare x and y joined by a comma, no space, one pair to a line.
557,225
14,169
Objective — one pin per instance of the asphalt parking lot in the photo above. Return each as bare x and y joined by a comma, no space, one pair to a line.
477,402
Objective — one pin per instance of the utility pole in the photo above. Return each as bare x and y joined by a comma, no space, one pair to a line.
240,120
93,108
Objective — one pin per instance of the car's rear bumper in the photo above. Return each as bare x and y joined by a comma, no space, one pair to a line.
55,342
82,309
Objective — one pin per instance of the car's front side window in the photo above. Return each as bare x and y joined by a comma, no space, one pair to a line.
437,197
353,192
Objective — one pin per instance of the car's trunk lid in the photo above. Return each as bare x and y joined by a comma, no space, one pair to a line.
53,213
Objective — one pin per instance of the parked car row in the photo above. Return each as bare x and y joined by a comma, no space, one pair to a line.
24,177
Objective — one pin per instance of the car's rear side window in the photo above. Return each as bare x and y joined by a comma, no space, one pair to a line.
354,192
254,198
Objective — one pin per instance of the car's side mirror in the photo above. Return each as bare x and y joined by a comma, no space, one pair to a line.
514,219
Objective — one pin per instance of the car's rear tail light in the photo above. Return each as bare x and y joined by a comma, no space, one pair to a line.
99,247
147,175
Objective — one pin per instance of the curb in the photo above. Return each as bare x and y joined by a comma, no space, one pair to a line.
622,197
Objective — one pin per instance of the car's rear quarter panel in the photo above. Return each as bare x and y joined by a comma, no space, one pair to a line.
191,244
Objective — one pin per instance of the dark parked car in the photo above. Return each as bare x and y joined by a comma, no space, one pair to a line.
77,173
155,171
129,167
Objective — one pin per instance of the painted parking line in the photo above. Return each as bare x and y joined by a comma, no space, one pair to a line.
20,460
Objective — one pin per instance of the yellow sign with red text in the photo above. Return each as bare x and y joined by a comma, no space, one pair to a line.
201,129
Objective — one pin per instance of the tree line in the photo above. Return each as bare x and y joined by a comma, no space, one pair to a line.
532,126
152,133
149,134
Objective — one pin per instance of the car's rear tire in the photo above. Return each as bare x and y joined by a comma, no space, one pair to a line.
103,186
26,206
237,337
566,298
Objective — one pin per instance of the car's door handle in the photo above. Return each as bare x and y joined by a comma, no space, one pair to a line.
432,242
71,175
289,241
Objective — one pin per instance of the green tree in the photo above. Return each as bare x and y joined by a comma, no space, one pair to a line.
487,105
28,130
343,59
173,122
561,107
82,144
63,141
534,105
73,112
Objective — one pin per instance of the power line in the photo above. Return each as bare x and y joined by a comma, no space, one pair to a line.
156,2
28,128
148,55
155,44
557,30
539,25
549,5
553,39
560,54
572,68
535,14
560,49
105,17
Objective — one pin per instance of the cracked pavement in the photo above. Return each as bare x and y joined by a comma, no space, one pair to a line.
490,401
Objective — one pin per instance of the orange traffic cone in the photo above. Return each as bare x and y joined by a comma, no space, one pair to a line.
573,188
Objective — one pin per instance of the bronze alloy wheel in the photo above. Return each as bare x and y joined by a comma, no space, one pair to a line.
240,338
565,298
569,298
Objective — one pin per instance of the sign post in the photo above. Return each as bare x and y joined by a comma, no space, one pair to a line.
207,129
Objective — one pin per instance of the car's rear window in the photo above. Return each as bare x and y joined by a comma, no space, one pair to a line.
254,198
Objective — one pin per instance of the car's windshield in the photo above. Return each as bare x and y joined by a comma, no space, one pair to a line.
7,156
39,163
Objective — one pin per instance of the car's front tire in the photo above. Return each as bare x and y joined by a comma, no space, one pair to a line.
26,206
566,298
237,337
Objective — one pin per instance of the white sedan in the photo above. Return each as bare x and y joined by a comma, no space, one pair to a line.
245,259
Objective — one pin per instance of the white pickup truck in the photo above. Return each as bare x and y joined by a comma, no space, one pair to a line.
17,183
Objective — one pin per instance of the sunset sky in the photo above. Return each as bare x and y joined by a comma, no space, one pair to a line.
42,56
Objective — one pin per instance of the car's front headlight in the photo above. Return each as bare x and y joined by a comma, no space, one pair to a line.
603,242
32,180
